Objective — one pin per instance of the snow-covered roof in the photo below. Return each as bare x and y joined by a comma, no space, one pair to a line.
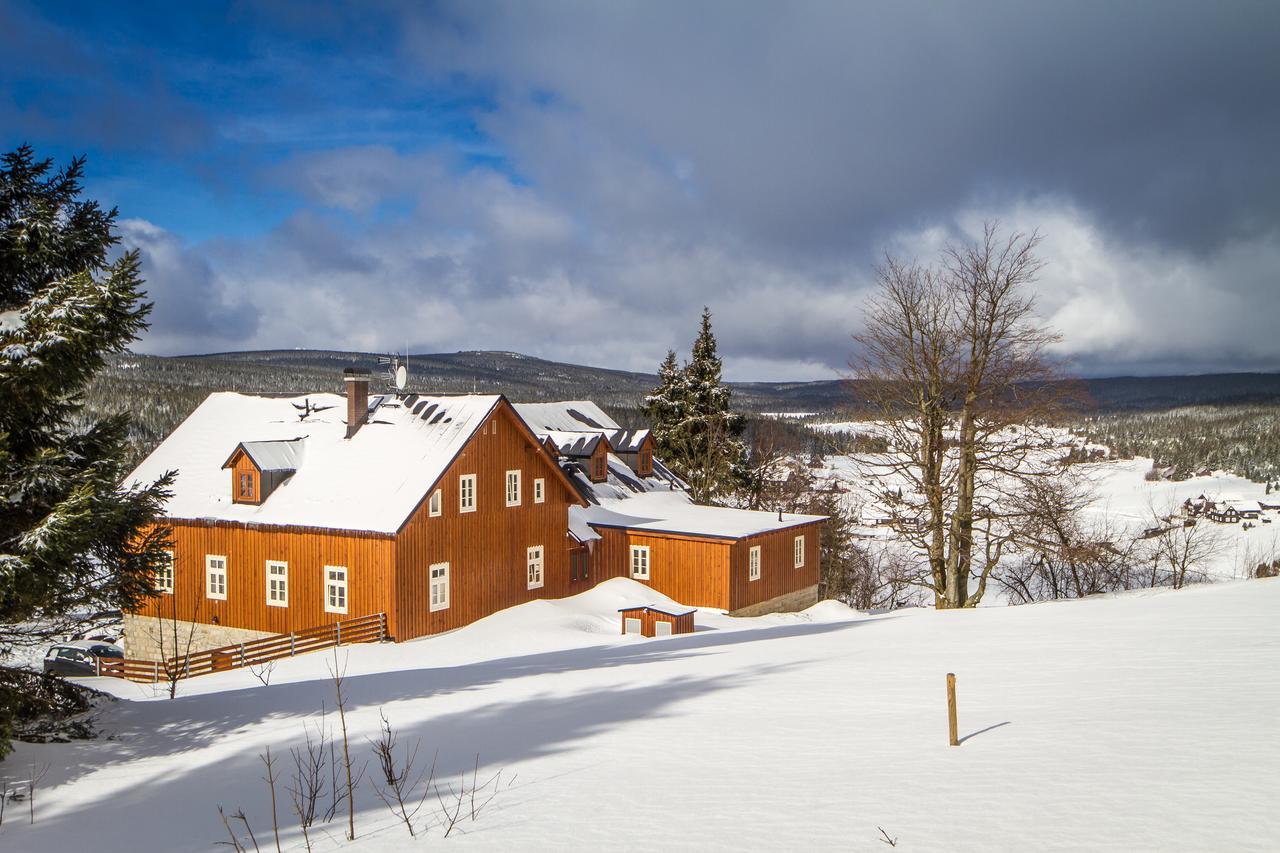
566,416
576,444
874,512
372,481
621,481
627,440
579,528
671,512
668,609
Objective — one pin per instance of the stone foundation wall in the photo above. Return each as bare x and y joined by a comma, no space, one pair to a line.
142,635
787,603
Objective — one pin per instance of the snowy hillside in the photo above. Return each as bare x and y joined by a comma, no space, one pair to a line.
1144,721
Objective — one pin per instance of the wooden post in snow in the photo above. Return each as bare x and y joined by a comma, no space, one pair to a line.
953,729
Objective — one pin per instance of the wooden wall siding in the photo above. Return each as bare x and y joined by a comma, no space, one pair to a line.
369,561
692,571
649,618
487,549
778,574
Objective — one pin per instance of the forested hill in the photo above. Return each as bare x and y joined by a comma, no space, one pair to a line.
160,392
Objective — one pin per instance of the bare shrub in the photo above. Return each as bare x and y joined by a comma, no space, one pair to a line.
308,777
398,784
263,671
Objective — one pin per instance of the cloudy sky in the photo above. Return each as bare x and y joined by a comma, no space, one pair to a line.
575,181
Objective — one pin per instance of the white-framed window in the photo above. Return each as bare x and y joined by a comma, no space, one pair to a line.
534,564
435,503
539,490
277,583
439,586
640,562
164,574
799,552
335,589
513,488
215,577
753,563
631,626
467,493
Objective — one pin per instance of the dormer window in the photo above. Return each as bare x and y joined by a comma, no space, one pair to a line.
599,468
644,464
259,467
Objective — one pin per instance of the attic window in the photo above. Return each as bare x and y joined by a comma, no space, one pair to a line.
599,468
644,465
246,490
467,493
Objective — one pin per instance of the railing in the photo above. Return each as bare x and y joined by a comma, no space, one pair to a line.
365,629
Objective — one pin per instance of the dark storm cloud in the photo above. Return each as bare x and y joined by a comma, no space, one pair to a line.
816,125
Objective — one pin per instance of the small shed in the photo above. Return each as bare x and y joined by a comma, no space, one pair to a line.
657,620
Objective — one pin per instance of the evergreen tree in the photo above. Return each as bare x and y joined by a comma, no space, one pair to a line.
698,435
665,406
73,541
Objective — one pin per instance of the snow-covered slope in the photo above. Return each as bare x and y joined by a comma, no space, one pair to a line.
1138,722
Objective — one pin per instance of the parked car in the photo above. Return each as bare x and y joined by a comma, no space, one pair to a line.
79,657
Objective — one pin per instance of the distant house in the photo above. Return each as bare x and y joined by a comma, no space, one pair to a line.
1222,512
288,514
1245,509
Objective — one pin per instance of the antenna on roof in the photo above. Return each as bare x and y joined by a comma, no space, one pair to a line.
397,374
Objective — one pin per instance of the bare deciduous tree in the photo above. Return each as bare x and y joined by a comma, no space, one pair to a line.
269,764
174,666
1061,550
954,364
1177,552
338,673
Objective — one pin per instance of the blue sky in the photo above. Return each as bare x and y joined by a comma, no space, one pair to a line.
185,116
576,180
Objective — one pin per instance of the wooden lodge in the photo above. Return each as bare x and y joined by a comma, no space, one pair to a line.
289,514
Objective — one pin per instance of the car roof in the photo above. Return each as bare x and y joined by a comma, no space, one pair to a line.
85,644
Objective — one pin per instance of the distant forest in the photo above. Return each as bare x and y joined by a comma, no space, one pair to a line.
1243,439
1228,421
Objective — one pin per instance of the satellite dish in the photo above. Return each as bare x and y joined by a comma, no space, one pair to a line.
402,376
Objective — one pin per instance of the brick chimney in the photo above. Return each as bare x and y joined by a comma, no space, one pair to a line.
357,381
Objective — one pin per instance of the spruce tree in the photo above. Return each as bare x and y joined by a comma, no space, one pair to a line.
665,406
697,433
73,541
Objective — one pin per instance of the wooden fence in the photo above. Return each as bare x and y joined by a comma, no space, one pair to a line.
366,629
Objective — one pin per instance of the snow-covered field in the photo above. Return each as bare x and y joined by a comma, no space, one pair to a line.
1138,722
